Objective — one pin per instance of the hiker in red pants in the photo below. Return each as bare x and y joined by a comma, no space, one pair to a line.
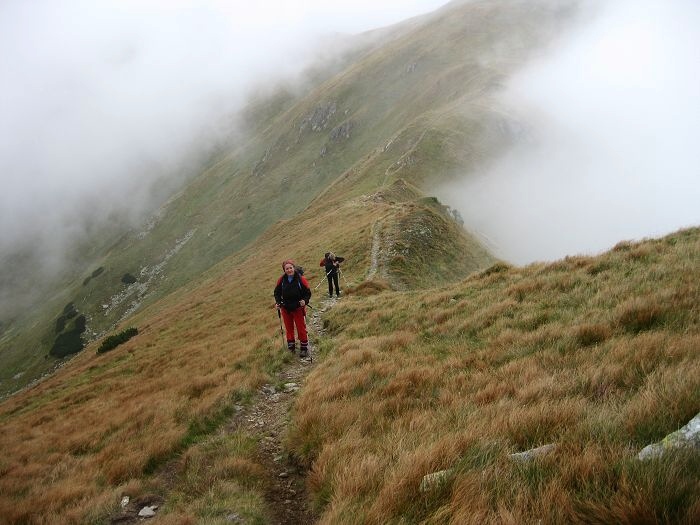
292,294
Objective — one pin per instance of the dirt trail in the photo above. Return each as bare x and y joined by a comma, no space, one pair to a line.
267,419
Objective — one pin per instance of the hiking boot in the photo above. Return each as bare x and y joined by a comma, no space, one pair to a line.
292,347
304,352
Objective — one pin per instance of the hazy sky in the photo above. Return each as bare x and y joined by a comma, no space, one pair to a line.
99,97
614,149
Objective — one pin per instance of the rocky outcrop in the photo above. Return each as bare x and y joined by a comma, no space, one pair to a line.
258,167
686,437
435,479
147,275
529,455
342,132
319,119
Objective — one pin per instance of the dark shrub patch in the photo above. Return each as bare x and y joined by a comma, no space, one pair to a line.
66,344
114,341
127,278
94,274
69,311
60,324
80,323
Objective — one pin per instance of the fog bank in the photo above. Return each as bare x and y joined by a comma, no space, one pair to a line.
612,149
107,105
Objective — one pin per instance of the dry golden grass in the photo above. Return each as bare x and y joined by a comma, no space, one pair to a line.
79,440
596,354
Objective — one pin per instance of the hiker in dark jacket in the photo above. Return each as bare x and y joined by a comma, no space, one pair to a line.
292,294
332,264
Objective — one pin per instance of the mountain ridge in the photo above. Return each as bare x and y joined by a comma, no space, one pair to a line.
437,356
237,195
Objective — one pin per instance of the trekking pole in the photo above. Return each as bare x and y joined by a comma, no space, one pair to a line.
279,314
319,283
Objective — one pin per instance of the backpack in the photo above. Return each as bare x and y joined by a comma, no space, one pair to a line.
284,283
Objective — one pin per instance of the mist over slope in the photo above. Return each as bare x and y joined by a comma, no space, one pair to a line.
411,102
108,108
609,150
436,357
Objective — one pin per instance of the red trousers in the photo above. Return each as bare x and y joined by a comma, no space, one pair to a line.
295,317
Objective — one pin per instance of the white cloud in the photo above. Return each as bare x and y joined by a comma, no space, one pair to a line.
99,98
615,117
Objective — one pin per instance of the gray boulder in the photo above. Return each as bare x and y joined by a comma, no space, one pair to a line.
688,436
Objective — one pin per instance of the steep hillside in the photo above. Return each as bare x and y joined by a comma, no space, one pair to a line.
597,356
104,425
413,102
593,354
436,358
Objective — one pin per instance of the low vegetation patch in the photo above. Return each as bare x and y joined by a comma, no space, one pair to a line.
367,288
95,273
113,341
70,341
127,278
67,343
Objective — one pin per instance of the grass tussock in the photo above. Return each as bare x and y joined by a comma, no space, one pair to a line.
596,354
215,478
367,288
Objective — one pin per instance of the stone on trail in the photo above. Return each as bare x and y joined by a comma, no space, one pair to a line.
531,454
430,481
147,512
